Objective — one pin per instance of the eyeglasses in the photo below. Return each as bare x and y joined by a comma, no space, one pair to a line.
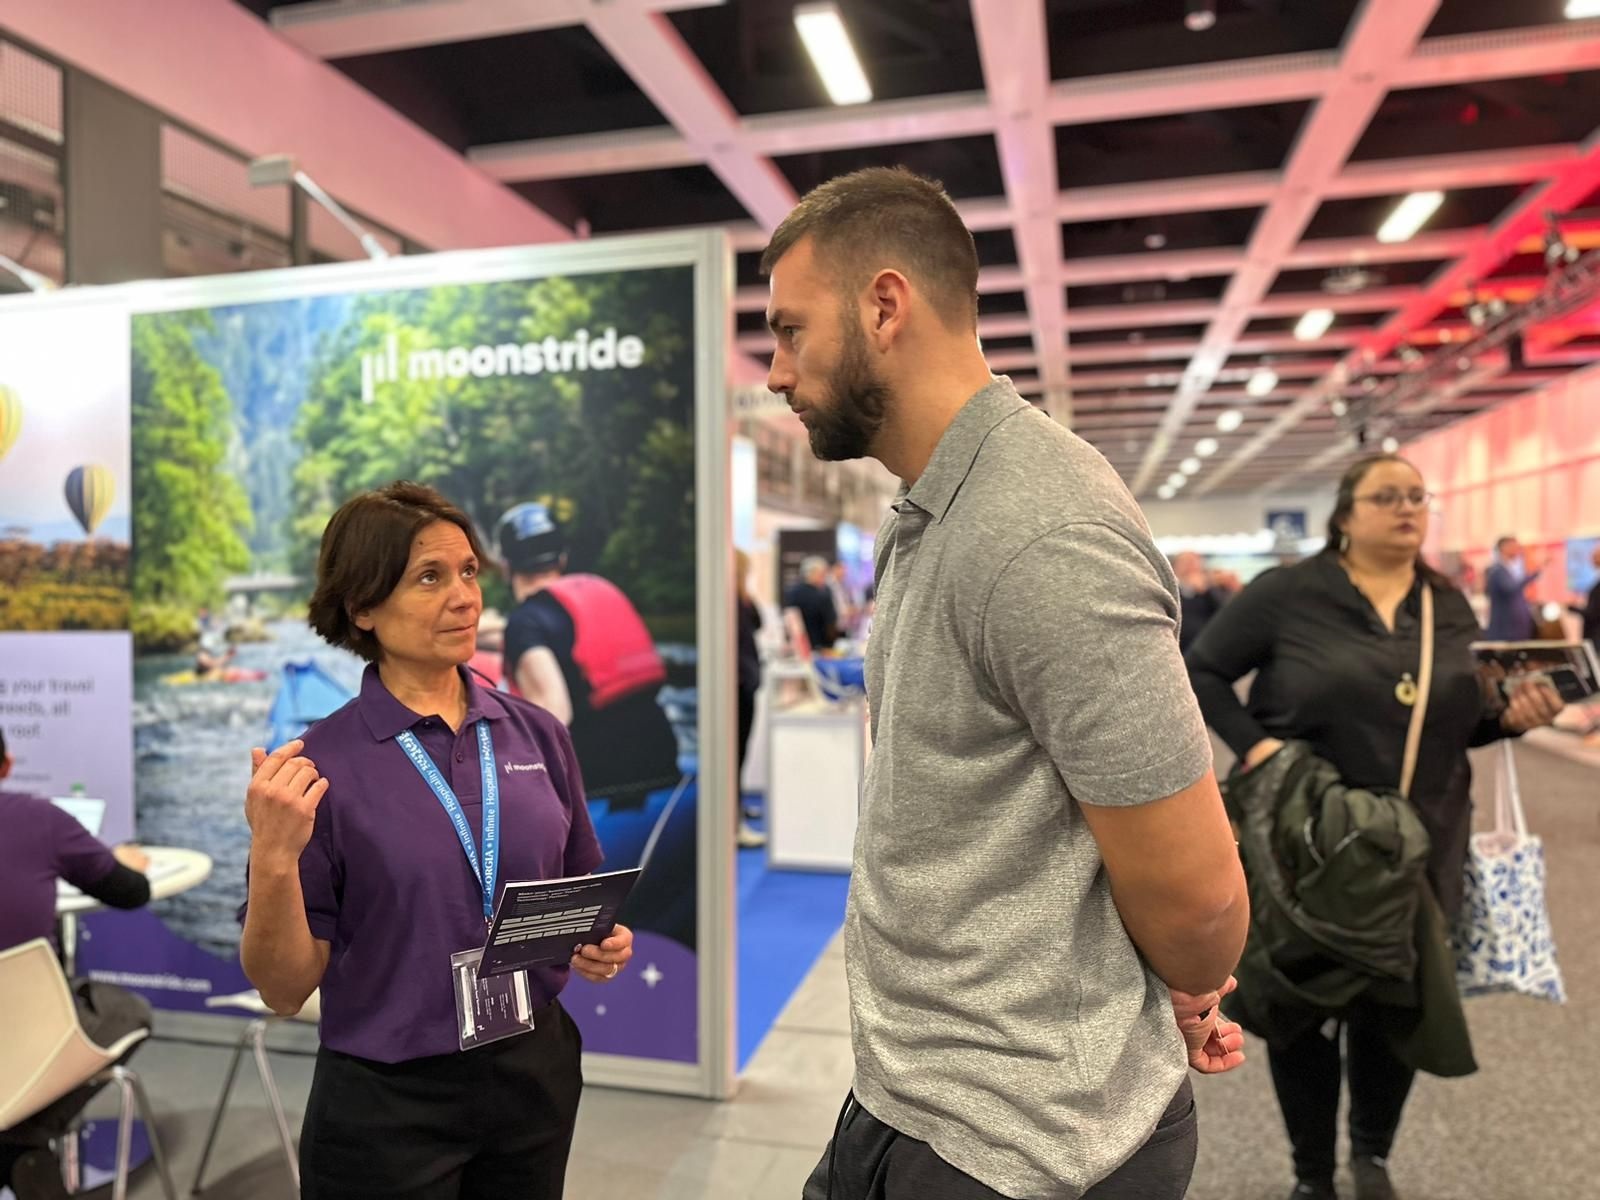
1392,499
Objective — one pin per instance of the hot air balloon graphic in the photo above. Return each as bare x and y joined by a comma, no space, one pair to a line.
89,493
10,418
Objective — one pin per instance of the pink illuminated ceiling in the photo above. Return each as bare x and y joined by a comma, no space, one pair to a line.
1154,208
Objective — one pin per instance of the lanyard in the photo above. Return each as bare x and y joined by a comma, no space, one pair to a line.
489,871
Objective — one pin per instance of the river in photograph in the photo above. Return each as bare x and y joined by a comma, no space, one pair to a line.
192,746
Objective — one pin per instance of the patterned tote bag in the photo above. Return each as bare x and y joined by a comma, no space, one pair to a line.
1503,939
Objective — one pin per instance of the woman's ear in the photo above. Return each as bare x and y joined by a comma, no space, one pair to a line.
362,620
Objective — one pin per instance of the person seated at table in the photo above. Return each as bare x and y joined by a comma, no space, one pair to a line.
43,843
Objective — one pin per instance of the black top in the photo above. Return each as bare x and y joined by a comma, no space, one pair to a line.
1198,609
817,611
625,750
749,656
1327,669
1591,617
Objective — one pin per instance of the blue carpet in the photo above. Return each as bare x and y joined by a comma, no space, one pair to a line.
786,920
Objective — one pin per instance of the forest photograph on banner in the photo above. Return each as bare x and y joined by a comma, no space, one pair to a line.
561,407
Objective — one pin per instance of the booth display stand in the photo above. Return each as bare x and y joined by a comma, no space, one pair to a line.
816,759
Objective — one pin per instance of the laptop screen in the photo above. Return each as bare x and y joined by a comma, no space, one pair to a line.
90,813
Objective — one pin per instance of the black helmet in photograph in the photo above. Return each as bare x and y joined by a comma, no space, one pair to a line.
530,539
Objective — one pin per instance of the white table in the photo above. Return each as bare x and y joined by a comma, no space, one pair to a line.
172,870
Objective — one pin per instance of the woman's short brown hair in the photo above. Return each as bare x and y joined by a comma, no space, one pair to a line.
364,553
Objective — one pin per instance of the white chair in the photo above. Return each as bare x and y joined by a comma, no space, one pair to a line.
254,1039
46,1055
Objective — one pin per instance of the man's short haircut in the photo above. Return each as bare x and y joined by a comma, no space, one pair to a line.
884,217
1499,546
365,549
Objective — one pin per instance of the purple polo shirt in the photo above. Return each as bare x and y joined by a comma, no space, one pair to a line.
41,844
385,879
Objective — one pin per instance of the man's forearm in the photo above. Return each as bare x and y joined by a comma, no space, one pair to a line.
278,952
1193,952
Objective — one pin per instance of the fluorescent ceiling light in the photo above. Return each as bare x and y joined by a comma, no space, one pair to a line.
1166,492
1229,419
1410,215
1177,479
828,42
1189,466
1314,324
1577,10
1262,382
1206,447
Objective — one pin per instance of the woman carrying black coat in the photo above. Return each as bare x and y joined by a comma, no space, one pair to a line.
1336,645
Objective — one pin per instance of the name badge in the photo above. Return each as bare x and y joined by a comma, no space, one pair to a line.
490,1008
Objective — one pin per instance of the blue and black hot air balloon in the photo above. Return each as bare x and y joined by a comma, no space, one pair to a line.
90,490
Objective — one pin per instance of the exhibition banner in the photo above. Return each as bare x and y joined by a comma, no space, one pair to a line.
64,553
578,389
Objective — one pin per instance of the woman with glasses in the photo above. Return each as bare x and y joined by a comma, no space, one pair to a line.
1335,642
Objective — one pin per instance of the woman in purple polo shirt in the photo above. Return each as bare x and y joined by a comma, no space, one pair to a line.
366,877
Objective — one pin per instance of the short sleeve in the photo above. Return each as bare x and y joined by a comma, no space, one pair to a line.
80,857
1080,634
319,877
583,853
525,630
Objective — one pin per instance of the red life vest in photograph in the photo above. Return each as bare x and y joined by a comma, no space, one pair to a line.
611,646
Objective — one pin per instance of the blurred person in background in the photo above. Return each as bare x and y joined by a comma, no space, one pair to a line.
42,843
1507,580
1336,645
1202,594
1589,610
812,597
749,655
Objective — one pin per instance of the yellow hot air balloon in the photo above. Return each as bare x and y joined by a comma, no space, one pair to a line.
90,489
10,418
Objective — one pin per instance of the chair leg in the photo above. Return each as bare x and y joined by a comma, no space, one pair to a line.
71,1152
148,1117
119,1181
222,1108
275,1102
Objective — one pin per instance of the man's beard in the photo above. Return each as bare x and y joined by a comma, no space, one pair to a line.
857,404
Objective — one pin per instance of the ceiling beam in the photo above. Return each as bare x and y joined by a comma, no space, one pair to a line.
1132,94
347,28
1503,54
659,147
1013,41
1568,188
653,53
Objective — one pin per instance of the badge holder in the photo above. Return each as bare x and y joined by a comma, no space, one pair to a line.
488,1009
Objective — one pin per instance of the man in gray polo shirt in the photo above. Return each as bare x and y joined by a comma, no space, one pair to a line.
1044,875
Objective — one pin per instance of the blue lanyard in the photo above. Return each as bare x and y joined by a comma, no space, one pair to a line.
489,871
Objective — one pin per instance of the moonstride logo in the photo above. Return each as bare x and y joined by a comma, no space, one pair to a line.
604,351
513,767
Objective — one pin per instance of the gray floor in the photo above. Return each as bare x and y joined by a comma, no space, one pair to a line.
1524,1128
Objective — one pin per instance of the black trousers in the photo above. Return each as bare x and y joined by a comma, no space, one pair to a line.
493,1123
747,722
869,1160
1306,1073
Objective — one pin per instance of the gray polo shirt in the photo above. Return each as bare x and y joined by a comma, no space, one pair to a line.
1024,658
